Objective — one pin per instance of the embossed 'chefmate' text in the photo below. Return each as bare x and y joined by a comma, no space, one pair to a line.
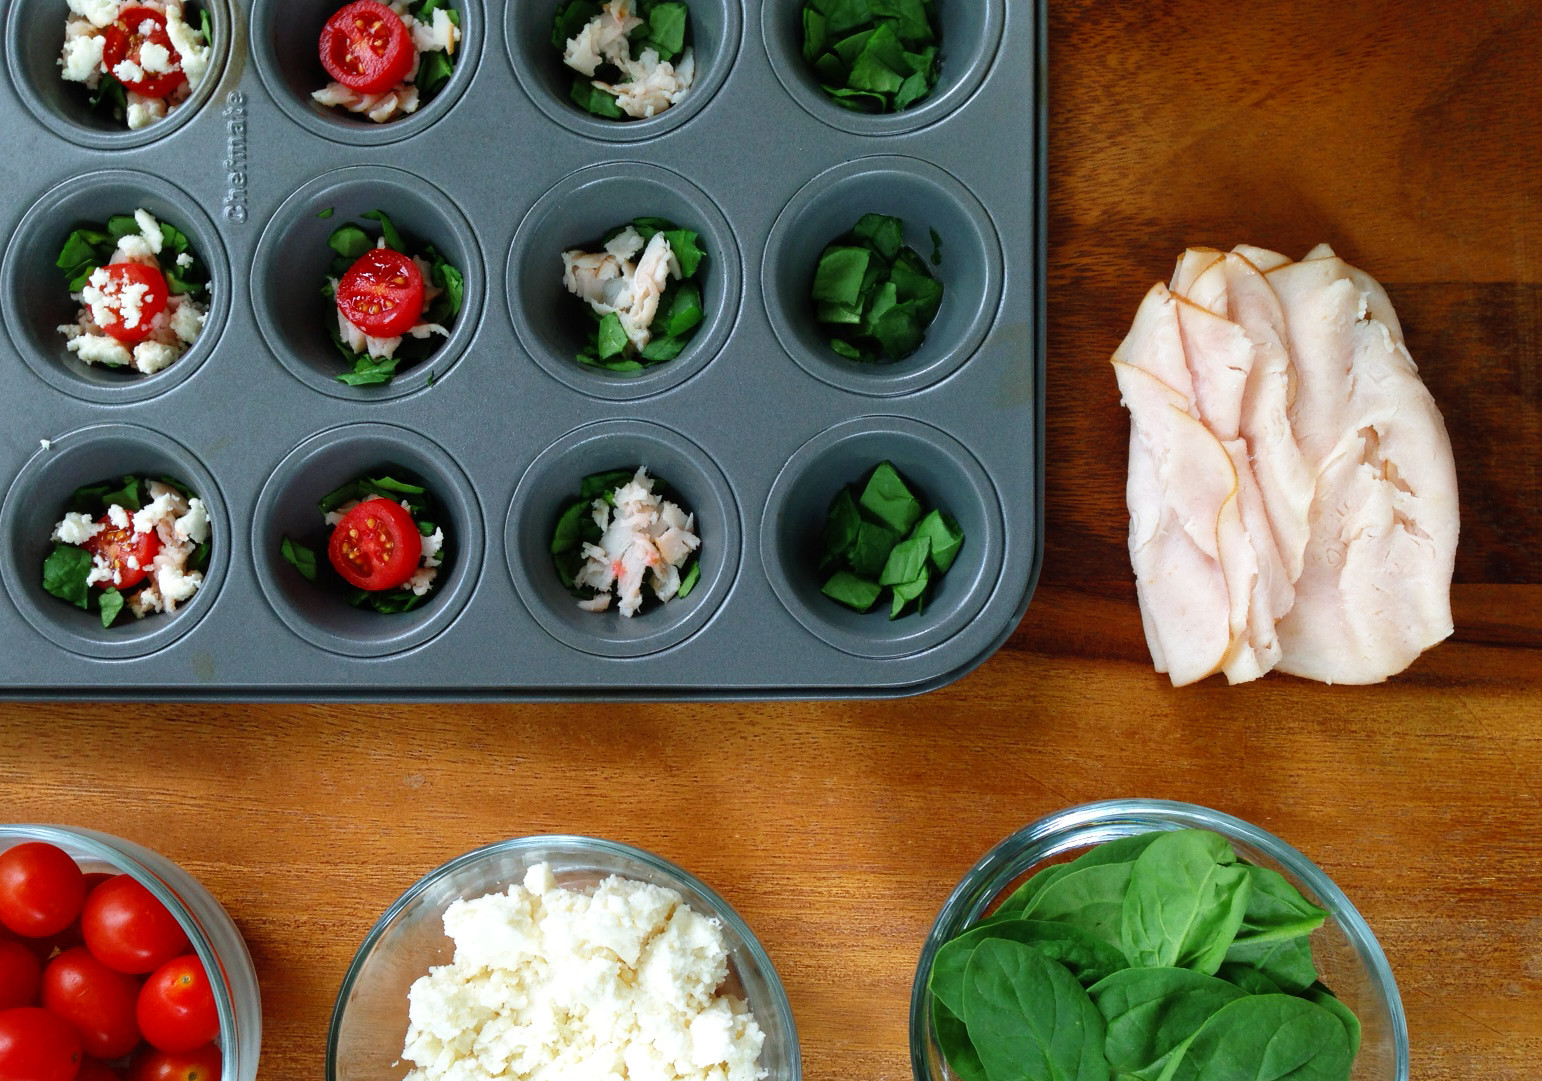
234,113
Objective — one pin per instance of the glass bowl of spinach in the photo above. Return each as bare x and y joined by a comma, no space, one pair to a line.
1185,943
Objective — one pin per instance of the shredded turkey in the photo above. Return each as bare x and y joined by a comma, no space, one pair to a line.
1291,488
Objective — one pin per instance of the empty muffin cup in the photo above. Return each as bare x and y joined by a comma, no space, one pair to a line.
287,507
37,501
941,473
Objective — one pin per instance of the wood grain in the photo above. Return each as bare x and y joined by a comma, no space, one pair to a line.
1410,137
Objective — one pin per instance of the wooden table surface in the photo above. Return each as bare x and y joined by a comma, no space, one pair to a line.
1410,137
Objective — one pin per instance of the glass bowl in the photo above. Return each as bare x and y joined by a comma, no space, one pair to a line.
214,936
369,1022
1348,956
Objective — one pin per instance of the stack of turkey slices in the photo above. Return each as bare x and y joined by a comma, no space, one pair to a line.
1291,489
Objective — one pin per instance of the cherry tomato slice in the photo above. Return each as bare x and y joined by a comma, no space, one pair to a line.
176,1009
41,889
20,974
366,47
37,1046
125,41
376,546
133,280
382,293
201,1065
98,1001
130,554
128,929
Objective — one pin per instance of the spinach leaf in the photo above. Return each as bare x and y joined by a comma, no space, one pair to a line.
593,100
852,590
1279,1037
1029,1019
889,499
1091,898
1120,850
1276,909
1088,959
1288,962
1248,978
953,1041
1325,998
676,320
874,296
393,239
350,242
111,603
688,580
299,557
1186,900
876,55
65,572
1151,1012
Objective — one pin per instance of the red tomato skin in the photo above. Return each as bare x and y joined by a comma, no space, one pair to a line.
21,973
98,1001
92,1070
395,533
119,277
127,929
122,40
37,1046
382,293
116,546
203,1064
176,1010
366,47
41,889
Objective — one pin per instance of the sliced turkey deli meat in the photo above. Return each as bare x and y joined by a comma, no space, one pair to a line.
1291,489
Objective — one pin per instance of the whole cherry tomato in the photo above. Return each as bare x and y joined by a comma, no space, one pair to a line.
200,1065
41,889
97,1000
20,974
128,929
176,1009
37,1046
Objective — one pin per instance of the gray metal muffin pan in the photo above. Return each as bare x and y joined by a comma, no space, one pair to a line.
756,424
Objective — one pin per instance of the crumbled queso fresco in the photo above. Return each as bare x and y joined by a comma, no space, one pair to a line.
616,984
181,524
81,60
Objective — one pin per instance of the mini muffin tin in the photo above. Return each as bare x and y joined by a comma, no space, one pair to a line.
757,424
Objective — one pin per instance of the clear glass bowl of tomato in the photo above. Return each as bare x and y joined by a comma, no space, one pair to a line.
214,937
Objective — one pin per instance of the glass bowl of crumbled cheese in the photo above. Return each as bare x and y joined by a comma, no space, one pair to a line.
557,955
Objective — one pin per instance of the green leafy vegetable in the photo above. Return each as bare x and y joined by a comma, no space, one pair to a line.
664,28
65,572
676,320
90,246
874,296
878,536
350,242
327,213
876,56
111,602
300,557
1138,922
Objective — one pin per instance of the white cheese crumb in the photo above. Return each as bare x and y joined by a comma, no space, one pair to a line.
46,444
118,517
152,356
77,529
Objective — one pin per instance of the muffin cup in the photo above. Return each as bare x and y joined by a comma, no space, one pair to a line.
36,297
553,480
287,507
36,503
927,200
285,38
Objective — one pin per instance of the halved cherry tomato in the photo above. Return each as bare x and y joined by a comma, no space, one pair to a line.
176,1009
125,40
37,1046
117,547
20,974
121,279
382,293
200,1065
128,929
376,546
41,889
98,1001
366,47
